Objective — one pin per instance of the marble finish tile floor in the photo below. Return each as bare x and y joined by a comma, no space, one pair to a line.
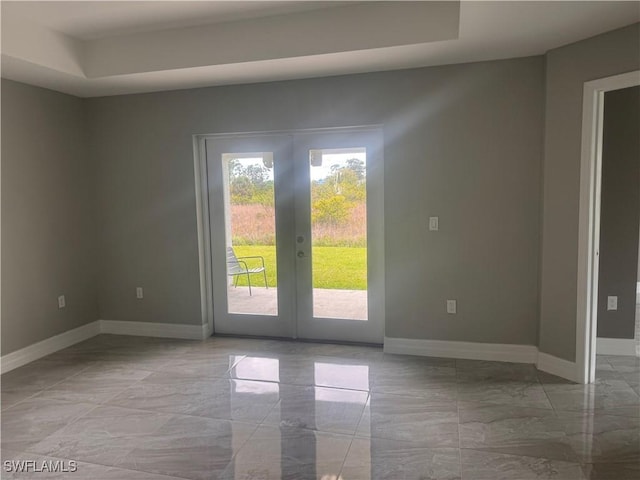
227,408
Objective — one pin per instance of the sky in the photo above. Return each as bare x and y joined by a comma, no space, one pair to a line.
317,173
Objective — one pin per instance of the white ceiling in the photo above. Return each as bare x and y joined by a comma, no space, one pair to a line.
89,48
90,20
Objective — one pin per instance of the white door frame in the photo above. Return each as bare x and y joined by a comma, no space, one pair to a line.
204,233
336,329
203,223
589,220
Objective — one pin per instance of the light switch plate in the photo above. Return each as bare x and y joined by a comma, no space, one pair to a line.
612,303
62,302
433,224
452,306
139,292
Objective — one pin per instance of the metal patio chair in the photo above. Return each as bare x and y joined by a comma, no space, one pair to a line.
237,266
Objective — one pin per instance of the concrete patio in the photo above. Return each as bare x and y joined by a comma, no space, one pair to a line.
327,303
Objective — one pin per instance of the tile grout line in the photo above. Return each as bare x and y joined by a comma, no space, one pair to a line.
355,432
458,411
546,394
66,424
47,388
344,460
62,457
95,406
235,454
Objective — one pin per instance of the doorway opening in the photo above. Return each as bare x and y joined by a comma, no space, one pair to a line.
590,218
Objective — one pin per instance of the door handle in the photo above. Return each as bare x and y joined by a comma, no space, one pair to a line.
300,254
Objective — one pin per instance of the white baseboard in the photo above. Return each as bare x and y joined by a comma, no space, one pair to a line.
407,346
558,366
469,350
616,346
47,347
58,342
483,351
149,329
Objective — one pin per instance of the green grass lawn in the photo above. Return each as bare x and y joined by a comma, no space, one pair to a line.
340,268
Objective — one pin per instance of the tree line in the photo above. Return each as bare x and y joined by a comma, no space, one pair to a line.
332,198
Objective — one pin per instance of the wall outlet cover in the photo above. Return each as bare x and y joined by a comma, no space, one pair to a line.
452,306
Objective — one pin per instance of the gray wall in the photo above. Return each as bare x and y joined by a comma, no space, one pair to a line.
462,142
619,212
47,216
567,69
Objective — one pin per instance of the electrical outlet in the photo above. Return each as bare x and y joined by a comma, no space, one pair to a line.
139,292
62,301
452,306
433,224
612,303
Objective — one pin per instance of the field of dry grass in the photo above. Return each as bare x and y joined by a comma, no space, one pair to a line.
255,225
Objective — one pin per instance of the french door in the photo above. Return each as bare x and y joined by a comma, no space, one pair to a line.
297,234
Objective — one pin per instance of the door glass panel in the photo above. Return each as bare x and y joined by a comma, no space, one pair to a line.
250,232
339,233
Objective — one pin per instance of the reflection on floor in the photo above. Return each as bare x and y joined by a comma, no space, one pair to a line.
140,408
637,331
347,304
